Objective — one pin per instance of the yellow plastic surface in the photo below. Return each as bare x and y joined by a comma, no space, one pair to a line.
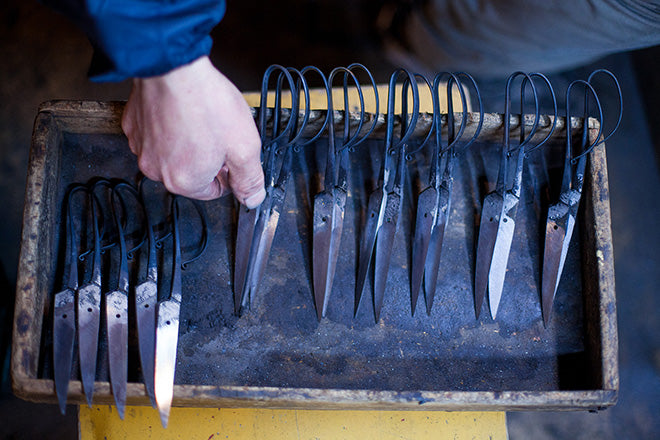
103,423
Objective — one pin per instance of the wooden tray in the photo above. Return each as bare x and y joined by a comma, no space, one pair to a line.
278,356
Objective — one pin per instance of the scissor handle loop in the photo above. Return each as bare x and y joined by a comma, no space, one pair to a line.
585,122
348,139
318,134
507,111
175,226
554,104
391,98
409,155
374,87
618,87
263,103
480,125
298,129
135,193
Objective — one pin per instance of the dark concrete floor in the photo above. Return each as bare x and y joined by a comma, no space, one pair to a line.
43,57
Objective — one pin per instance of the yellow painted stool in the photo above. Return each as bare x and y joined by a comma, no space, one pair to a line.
103,423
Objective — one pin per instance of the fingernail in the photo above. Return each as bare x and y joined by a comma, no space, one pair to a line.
255,199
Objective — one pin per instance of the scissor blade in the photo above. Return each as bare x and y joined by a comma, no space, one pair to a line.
501,253
426,207
321,243
432,264
265,238
64,333
167,334
146,299
367,245
555,232
246,222
89,318
384,244
490,217
116,308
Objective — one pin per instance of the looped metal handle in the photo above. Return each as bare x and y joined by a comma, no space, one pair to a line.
318,134
348,140
507,111
618,87
408,126
175,228
554,104
409,155
376,114
569,142
263,104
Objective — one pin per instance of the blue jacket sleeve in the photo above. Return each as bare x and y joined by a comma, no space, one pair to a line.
141,38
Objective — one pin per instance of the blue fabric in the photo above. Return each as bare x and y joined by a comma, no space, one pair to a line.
142,38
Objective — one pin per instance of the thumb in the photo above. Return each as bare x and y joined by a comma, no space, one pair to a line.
246,178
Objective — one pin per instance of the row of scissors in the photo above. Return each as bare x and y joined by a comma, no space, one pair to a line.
447,138
116,236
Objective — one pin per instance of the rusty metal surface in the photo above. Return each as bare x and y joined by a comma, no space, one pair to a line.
279,343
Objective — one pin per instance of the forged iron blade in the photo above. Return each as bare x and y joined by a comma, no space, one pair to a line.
89,318
64,333
167,334
432,264
426,207
265,239
490,218
368,244
384,243
146,299
555,232
501,253
337,228
321,242
247,219
116,307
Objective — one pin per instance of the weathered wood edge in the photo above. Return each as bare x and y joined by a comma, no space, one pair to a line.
309,398
29,308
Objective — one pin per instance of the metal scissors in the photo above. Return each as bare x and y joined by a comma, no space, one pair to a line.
64,326
116,301
253,240
434,201
563,214
146,300
385,203
499,210
329,204
89,306
167,330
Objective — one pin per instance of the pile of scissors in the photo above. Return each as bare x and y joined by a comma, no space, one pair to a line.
447,140
96,217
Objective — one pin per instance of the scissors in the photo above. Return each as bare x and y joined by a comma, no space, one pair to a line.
253,239
434,201
64,326
116,301
563,214
498,217
167,329
385,203
329,204
89,305
146,300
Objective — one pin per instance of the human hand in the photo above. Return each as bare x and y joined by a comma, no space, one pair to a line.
192,130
